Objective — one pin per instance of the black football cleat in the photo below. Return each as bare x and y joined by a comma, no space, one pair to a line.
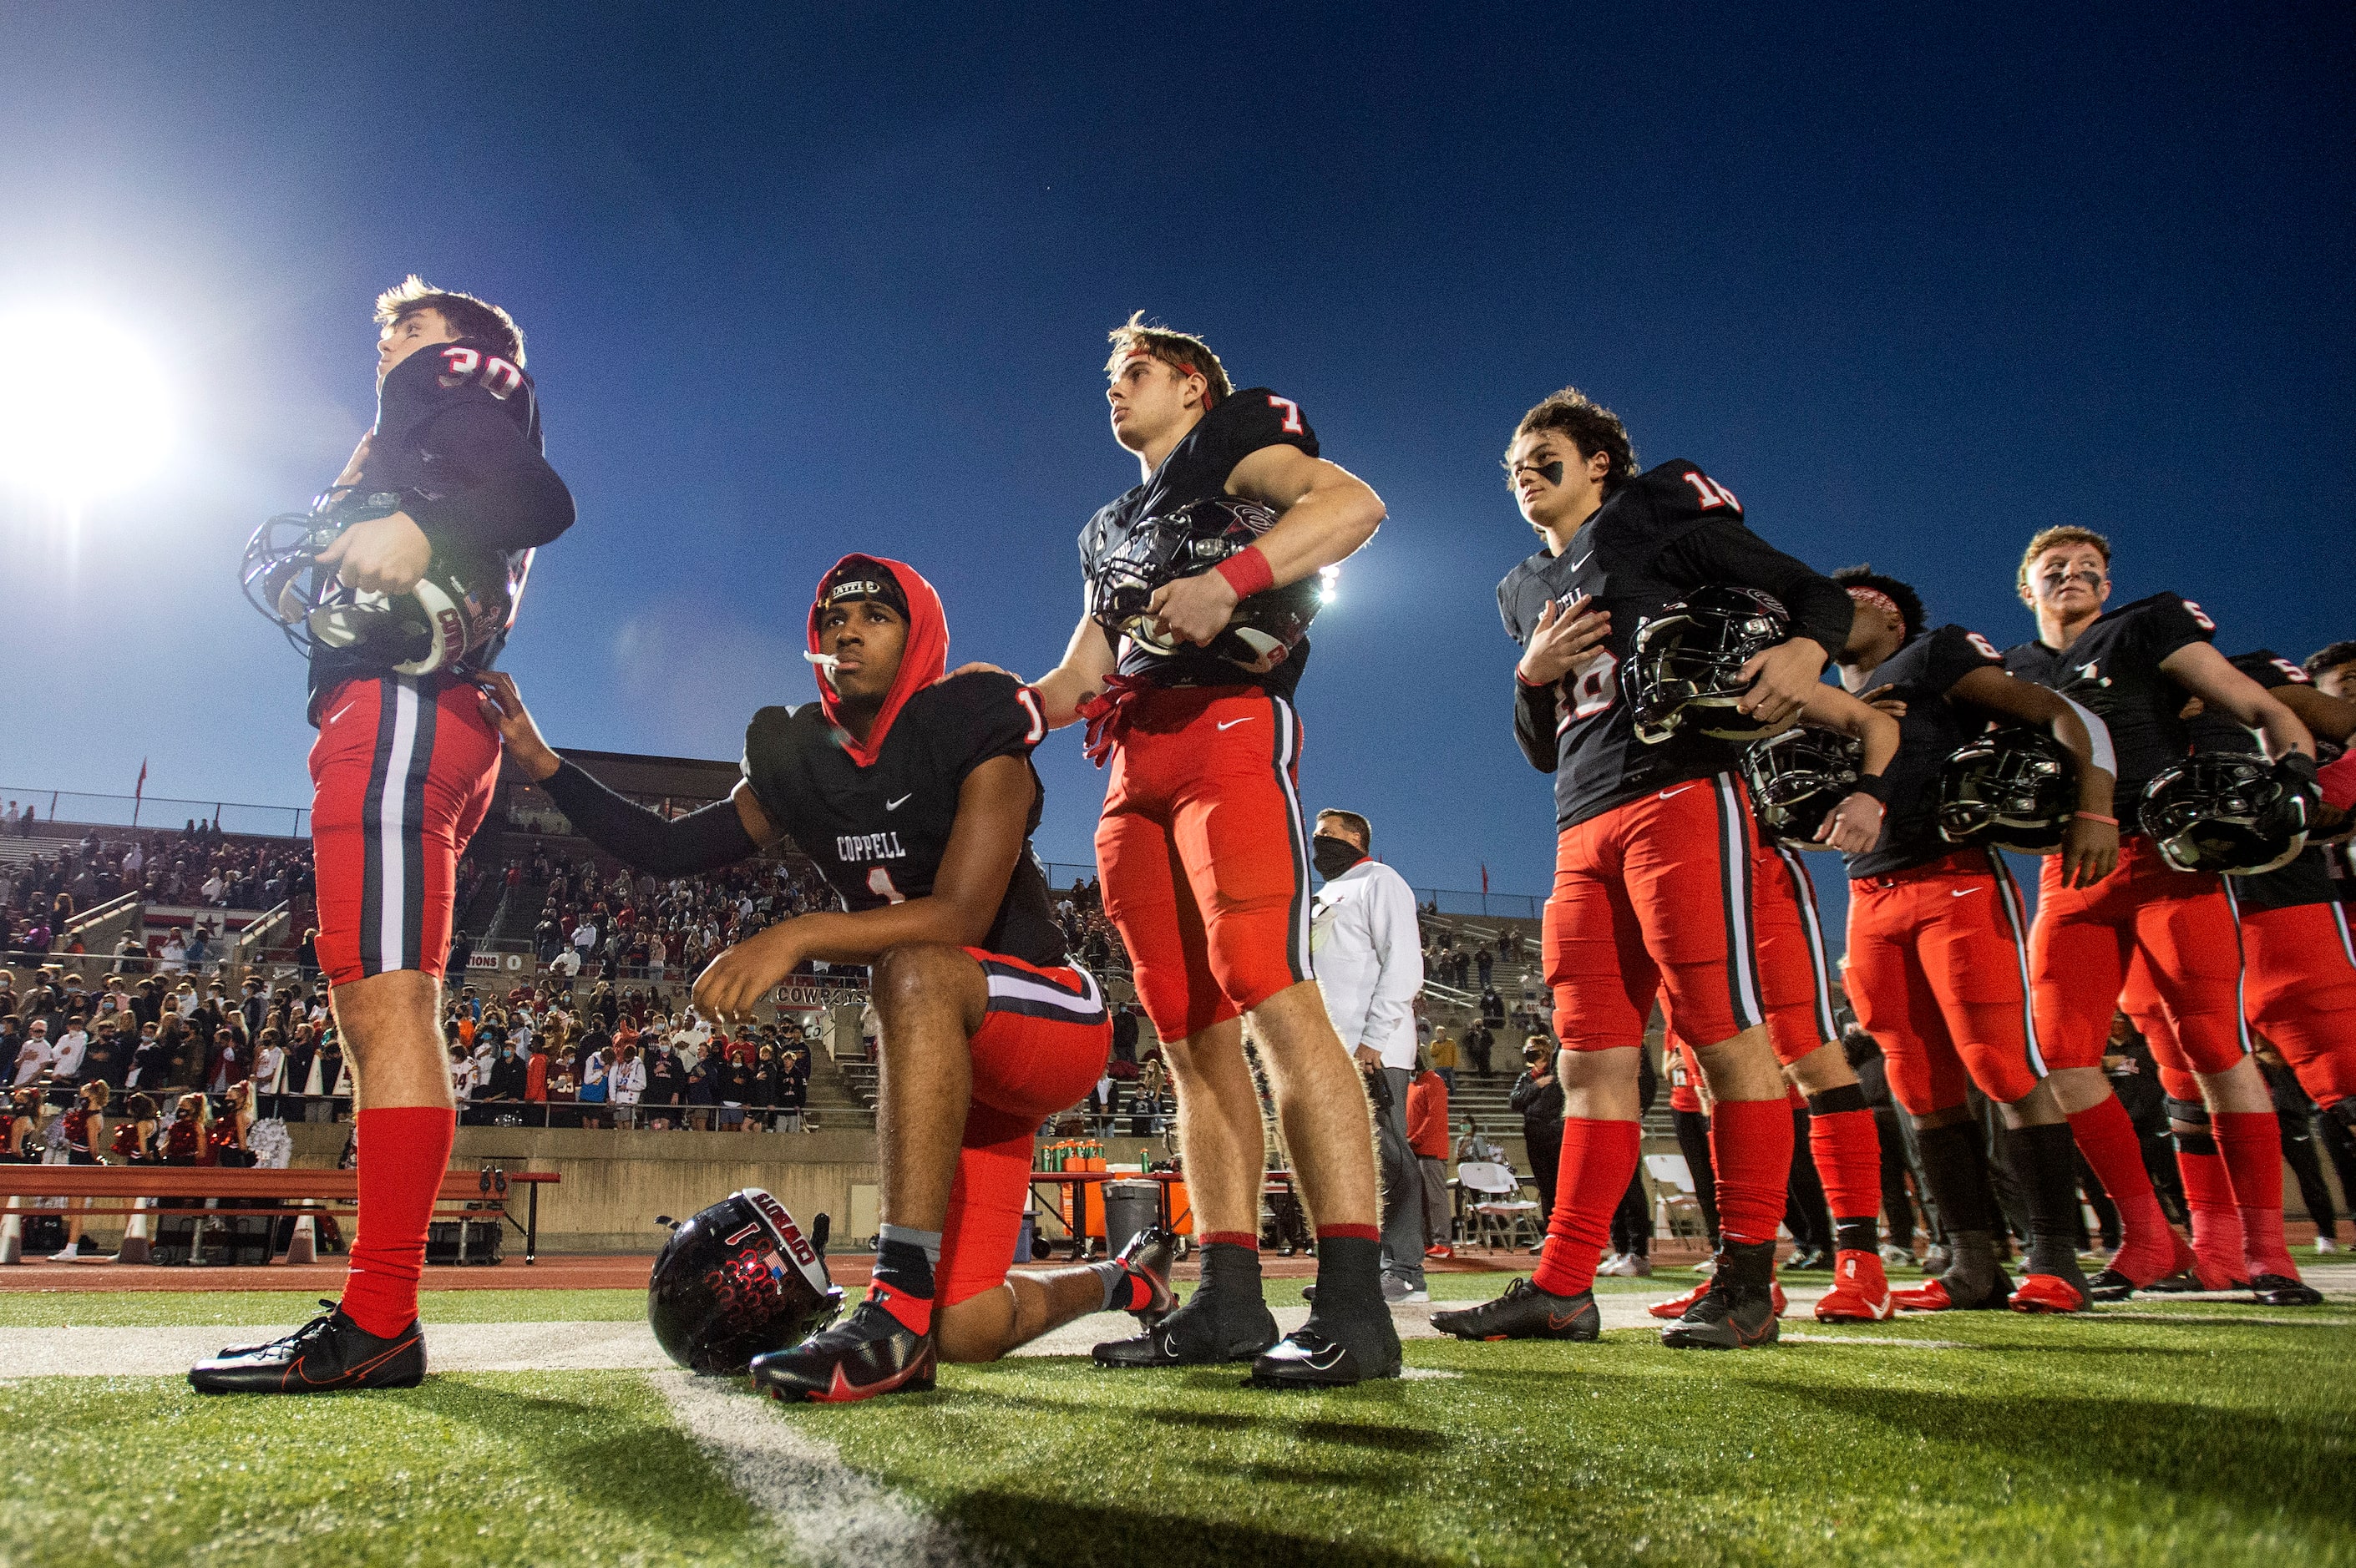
2280,1290
329,1353
1306,1359
1148,1257
868,1353
1738,1311
1526,1312
1212,1328
2110,1285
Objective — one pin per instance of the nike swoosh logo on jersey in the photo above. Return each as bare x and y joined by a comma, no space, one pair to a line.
1233,722
1582,560
896,804
1670,793
1959,892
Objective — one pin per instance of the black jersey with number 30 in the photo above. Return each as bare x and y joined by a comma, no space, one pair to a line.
1655,539
2113,669
1196,470
878,832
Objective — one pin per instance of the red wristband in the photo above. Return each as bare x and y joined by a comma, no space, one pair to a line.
2095,816
1248,571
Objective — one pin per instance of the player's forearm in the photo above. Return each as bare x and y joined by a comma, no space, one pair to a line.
1061,690
703,840
862,936
1338,514
1534,723
1830,707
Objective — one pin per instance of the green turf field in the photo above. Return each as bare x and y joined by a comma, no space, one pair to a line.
2194,1432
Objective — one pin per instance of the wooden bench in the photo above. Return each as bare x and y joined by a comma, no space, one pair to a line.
135,1190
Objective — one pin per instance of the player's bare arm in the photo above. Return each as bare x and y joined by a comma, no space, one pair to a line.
1326,513
1087,661
2326,716
1855,824
2090,848
993,819
2201,670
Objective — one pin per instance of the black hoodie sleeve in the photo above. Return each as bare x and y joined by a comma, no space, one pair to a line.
514,500
1729,552
703,840
1535,713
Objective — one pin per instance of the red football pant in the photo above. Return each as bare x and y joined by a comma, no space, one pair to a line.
400,774
2171,930
1794,981
1041,1047
2299,988
1653,897
1938,971
1204,853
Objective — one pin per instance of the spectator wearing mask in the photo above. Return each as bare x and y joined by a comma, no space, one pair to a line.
1538,1097
33,1056
72,1050
1427,1134
627,1085
666,1087
1478,1042
1369,964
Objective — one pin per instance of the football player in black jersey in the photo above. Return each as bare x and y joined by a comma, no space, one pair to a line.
2298,991
1653,853
917,797
1938,945
1202,851
402,773
2134,666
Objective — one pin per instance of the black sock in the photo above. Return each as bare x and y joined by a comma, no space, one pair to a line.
1956,1168
904,1261
1230,1271
1857,1236
2045,1161
1745,1265
1349,1273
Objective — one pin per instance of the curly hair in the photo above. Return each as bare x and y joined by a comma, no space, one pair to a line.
1592,427
2330,657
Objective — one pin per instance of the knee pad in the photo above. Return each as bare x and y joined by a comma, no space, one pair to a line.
2196,1143
1848,1097
2191,1113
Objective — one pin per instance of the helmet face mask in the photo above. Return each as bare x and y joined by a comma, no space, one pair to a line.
464,602
738,1280
2225,812
1684,666
2013,788
1185,543
1795,779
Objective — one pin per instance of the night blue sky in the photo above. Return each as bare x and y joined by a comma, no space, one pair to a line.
1913,288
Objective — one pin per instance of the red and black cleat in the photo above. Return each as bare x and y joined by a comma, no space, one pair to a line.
1526,1312
2046,1293
1146,1259
1860,1292
868,1353
327,1354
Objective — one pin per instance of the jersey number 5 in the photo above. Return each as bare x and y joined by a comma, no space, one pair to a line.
1292,421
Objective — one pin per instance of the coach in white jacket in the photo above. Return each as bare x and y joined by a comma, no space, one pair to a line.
1369,958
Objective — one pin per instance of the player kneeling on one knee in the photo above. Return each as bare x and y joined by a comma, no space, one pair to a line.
917,797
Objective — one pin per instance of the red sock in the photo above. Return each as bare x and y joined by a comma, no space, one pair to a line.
2250,1143
404,1152
1598,1158
2106,1137
1848,1152
2216,1223
1750,1148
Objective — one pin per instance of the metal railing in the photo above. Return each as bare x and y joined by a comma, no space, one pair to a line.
57,811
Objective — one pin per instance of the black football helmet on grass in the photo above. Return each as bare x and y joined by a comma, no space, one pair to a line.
1184,543
738,1281
1797,778
2230,812
2012,788
463,605
1684,666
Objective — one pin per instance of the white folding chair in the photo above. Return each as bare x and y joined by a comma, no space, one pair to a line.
1497,1204
1677,1205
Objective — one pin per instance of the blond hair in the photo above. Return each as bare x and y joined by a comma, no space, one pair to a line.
2065,533
1182,351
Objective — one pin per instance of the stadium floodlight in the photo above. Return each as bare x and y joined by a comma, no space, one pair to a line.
1329,584
84,409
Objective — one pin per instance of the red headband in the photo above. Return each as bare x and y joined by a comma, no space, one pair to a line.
1210,394
1877,599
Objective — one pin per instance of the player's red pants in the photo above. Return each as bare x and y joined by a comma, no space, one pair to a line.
1654,896
1795,982
2299,992
1041,1047
2147,920
1938,970
1204,854
402,773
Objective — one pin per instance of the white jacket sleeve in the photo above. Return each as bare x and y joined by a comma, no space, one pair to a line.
1398,949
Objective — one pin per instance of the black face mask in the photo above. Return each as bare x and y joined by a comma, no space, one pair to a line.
1333,856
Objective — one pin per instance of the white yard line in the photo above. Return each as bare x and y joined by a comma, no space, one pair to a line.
830,1512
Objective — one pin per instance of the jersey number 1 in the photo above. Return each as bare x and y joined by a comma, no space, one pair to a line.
879,883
